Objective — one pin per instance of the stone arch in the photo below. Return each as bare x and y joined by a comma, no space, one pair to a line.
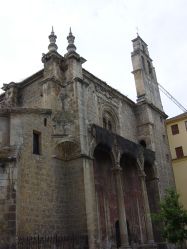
109,117
106,149
133,198
105,193
66,150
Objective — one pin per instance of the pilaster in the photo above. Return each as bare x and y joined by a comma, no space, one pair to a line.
149,228
121,207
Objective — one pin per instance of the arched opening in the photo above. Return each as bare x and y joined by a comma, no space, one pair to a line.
105,195
66,150
143,143
134,205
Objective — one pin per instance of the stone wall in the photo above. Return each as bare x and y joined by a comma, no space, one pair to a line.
50,190
100,97
31,95
75,197
7,203
4,131
35,184
151,129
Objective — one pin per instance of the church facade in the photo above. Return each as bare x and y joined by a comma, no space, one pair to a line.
78,157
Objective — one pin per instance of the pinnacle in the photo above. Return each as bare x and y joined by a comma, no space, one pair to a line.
52,39
71,46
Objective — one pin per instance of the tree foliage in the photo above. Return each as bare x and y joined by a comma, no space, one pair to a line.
174,218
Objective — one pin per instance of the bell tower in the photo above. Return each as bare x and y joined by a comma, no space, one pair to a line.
144,74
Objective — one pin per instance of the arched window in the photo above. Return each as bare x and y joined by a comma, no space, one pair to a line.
104,123
109,125
109,121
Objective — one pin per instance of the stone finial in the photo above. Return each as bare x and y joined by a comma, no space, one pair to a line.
52,38
71,47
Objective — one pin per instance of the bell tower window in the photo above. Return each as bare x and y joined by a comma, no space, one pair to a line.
149,67
143,63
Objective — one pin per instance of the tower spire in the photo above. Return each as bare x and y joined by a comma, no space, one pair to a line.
52,39
71,46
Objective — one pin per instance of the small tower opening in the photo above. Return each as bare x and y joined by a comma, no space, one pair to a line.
143,143
45,122
149,67
143,63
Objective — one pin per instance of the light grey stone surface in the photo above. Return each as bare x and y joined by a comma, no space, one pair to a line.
54,192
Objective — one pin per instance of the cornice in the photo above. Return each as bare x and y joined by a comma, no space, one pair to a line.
144,102
20,110
177,118
101,84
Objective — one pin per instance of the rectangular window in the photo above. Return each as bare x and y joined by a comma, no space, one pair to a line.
175,129
179,152
164,138
185,124
36,142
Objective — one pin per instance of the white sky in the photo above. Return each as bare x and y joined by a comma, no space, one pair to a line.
103,30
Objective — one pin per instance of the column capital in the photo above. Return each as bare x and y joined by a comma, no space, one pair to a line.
142,174
117,168
140,160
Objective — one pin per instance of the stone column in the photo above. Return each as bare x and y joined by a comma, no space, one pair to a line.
149,227
121,207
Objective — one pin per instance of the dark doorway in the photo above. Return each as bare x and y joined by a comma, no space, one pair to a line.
118,238
129,233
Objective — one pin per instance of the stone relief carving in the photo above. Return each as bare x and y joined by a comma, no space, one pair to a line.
63,122
116,152
10,98
102,90
140,161
91,103
63,97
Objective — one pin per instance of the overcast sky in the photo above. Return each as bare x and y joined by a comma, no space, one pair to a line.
103,30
